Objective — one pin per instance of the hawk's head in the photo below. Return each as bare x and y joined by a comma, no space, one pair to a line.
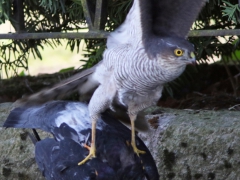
171,50
171,55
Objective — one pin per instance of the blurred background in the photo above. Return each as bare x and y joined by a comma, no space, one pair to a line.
212,84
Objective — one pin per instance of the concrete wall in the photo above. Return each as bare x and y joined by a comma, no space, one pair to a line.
186,145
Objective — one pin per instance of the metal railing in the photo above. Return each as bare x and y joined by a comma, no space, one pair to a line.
95,21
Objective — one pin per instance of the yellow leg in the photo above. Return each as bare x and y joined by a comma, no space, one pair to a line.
92,152
133,142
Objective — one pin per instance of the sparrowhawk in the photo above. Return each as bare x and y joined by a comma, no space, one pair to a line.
148,50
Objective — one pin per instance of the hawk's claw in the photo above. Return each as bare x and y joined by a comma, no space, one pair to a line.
87,147
92,153
136,150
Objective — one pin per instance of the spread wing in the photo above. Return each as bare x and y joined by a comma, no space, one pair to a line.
166,19
129,32
156,17
172,17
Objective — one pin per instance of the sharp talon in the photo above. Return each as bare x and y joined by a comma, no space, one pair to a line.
128,143
86,159
92,153
136,150
133,142
92,149
87,147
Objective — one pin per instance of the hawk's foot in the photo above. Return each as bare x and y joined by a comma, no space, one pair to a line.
87,147
136,150
92,153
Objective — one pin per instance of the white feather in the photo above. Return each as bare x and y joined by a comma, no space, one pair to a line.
130,32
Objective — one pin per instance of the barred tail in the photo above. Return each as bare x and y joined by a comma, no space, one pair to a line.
61,90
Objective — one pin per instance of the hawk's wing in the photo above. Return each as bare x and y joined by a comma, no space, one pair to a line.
129,32
172,17
64,88
156,17
145,19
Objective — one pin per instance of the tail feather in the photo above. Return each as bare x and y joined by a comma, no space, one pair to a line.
61,89
41,117
34,136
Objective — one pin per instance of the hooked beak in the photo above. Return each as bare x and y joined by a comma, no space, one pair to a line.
192,58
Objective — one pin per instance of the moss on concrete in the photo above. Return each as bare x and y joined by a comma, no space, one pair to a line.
186,145
198,145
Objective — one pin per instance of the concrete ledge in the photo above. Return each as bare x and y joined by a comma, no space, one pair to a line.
17,160
196,144
187,145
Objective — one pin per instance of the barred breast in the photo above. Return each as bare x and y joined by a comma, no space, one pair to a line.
134,71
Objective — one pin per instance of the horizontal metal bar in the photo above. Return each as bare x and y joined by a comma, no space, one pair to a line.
221,32
103,34
56,35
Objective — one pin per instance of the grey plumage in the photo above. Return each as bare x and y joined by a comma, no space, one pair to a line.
69,123
148,50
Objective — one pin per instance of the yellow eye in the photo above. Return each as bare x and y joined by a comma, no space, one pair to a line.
178,52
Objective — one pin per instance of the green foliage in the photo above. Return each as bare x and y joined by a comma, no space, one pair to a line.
117,11
230,10
43,16
12,56
5,7
53,6
93,52
66,70
54,16
217,14
67,16
22,74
